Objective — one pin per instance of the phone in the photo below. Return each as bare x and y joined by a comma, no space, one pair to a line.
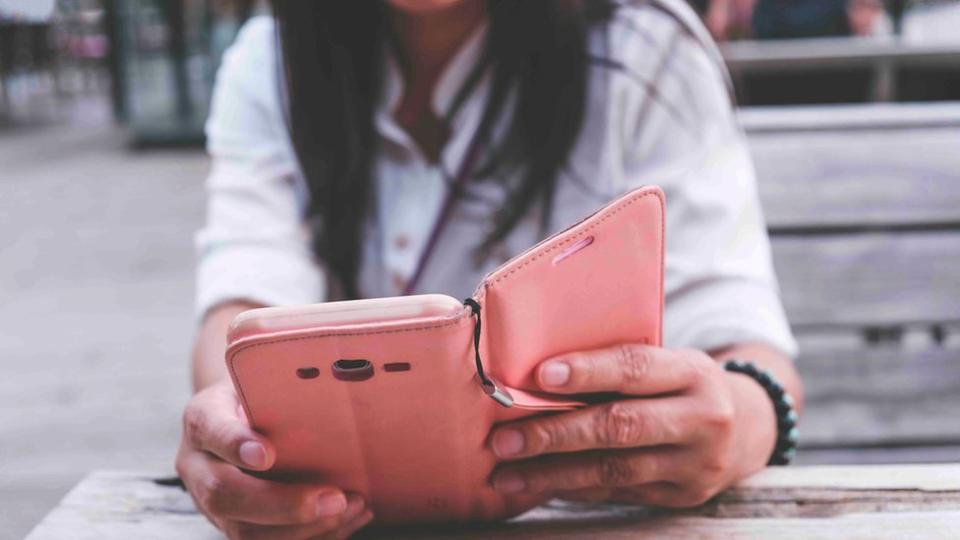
382,397
377,397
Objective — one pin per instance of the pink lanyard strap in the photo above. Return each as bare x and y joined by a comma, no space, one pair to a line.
446,211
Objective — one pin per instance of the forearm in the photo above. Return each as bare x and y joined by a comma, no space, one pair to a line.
211,343
768,358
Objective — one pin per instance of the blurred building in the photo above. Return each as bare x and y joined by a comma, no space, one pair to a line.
155,58
164,60
28,59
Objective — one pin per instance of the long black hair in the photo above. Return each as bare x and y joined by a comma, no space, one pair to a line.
332,68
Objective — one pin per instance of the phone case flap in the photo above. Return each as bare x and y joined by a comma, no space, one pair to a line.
596,284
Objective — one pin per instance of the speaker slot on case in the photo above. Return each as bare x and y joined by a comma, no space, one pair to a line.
308,372
396,366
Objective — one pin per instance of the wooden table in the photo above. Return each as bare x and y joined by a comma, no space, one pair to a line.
870,502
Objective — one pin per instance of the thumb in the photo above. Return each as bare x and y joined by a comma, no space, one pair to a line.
214,423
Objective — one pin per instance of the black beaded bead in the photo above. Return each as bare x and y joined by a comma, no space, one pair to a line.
787,432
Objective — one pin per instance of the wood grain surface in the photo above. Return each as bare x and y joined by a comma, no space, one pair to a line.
876,502
784,54
864,176
873,117
907,392
869,279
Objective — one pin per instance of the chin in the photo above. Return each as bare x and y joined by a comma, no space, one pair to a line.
423,6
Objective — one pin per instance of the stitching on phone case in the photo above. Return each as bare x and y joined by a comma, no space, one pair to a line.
572,237
457,320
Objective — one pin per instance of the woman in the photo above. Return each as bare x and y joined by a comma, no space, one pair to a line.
336,131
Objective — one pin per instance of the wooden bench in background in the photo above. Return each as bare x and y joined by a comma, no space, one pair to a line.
843,70
863,206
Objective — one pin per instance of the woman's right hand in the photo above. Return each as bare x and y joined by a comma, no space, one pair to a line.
218,444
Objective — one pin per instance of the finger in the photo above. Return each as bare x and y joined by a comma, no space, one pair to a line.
337,528
227,493
521,502
619,424
628,369
585,495
586,470
212,423
353,525
666,494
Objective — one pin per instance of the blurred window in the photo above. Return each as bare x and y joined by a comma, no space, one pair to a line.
167,55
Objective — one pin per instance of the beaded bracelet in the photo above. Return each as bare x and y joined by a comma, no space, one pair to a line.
787,432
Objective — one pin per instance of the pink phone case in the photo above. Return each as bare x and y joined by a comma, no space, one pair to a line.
412,438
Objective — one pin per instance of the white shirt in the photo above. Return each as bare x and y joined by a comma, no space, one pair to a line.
664,118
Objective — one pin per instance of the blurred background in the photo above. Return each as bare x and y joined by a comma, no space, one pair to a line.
852,110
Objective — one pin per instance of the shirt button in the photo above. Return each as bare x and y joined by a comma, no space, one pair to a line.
399,282
401,241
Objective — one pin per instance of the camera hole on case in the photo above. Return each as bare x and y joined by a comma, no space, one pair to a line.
352,370
393,367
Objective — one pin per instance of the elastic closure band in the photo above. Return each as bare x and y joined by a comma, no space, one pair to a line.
489,385
475,307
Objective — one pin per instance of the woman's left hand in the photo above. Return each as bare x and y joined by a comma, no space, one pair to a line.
681,430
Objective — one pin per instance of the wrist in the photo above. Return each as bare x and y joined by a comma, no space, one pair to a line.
783,405
756,419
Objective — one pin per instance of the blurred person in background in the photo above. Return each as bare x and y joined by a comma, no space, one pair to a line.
726,19
867,18
784,19
336,131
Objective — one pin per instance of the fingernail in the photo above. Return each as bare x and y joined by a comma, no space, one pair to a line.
331,504
555,374
355,505
509,483
366,518
507,442
253,454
